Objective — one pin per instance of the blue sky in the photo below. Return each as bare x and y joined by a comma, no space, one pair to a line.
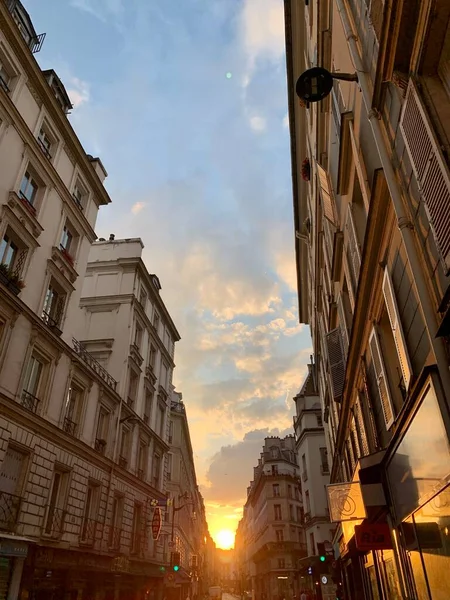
198,167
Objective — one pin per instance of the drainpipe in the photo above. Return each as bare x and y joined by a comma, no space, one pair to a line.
403,222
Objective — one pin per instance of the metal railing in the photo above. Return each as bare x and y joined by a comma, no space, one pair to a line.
88,530
95,365
49,320
9,510
177,407
115,535
44,149
324,469
77,202
4,85
54,525
29,401
70,426
27,202
34,42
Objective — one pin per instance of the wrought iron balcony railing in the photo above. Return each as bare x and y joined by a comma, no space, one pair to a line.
52,321
54,525
88,530
100,445
123,461
94,364
115,535
70,426
29,401
9,510
77,202
44,149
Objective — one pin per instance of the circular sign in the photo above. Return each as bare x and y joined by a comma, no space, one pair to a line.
324,579
314,84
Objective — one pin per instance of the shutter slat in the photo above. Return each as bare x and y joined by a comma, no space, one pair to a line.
343,323
336,360
429,167
361,428
397,330
383,386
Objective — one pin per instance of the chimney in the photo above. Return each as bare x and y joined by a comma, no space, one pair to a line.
111,237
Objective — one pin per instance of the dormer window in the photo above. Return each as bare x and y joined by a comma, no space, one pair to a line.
25,26
58,89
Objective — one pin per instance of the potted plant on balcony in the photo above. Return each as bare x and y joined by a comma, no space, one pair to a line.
66,255
306,169
11,279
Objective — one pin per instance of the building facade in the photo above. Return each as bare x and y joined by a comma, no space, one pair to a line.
270,539
188,530
84,393
371,188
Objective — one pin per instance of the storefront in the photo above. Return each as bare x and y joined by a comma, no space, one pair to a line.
13,552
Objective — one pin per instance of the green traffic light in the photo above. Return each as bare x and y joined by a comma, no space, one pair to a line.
176,568
322,559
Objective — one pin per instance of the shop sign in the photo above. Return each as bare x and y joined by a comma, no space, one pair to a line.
376,536
156,523
13,548
120,564
346,502
314,84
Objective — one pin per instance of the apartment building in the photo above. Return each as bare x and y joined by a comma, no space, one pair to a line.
312,456
371,188
187,530
270,538
78,483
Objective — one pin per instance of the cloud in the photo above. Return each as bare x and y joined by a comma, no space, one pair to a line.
78,91
137,207
258,123
99,8
286,121
263,29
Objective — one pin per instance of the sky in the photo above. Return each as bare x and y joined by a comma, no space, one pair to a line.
185,103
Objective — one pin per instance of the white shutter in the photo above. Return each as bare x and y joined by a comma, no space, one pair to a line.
429,167
343,323
397,331
336,361
349,279
329,209
353,246
382,380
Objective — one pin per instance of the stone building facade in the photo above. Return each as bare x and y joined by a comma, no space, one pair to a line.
372,238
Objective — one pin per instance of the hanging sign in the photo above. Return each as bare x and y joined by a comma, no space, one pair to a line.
156,523
373,536
314,84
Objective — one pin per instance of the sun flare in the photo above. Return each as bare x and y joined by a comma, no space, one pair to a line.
225,539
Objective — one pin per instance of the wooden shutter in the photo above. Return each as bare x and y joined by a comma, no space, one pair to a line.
361,428
343,323
382,380
397,331
327,194
349,279
336,361
353,247
430,169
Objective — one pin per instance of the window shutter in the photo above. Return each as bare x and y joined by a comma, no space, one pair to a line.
397,331
361,428
336,360
343,324
349,280
382,381
327,195
430,169
353,246
354,438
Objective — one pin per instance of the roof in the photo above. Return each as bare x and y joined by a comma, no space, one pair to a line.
59,84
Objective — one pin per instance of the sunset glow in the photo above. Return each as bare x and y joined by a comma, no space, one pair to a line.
224,539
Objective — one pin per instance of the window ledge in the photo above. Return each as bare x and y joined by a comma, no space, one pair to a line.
24,214
64,265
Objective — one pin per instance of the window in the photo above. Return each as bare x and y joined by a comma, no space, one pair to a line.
291,512
33,383
148,407
305,471
281,563
7,74
8,251
152,358
319,421
160,418
132,388
324,468
45,142
138,335
142,460
296,493
115,530
277,512
289,491
143,298
89,525
274,469
274,452
279,535
163,375
29,188
79,195
170,432
101,437
156,321
276,489
54,303
124,447
313,543
136,534
156,470
74,407
299,514
307,501
68,243
169,467
12,477
54,521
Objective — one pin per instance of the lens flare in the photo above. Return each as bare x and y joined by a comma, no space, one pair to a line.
229,75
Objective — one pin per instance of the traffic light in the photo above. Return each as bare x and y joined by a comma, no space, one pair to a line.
175,561
321,551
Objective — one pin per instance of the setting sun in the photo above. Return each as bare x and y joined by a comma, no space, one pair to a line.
224,539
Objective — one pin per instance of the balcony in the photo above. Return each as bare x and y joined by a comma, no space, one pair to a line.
9,511
25,26
70,427
150,374
54,526
95,365
25,212
135,354
100,446
129,401
29,401
307,517
53,322
44,149
88,531
123,462
115,535
66,254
